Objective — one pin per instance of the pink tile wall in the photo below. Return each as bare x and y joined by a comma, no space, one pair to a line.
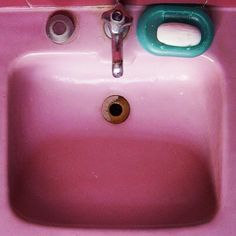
4,3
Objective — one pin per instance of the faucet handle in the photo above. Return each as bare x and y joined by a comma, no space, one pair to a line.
118,20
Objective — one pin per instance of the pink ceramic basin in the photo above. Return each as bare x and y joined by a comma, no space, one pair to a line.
169,169
68,166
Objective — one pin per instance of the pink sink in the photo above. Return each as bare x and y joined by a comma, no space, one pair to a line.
68,166
169,169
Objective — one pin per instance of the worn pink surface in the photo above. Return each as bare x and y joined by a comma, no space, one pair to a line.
32,3
54,141
152,170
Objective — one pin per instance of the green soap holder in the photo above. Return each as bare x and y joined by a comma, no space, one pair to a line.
154,16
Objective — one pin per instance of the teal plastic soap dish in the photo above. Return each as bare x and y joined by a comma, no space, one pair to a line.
157,15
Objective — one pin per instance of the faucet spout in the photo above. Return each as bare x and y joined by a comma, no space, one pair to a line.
117,23
117,55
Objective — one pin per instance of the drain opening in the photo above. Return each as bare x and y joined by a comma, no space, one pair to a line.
115,109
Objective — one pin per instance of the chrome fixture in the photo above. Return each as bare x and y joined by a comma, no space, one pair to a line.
117,23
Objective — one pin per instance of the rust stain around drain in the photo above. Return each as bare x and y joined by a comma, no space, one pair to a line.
115,109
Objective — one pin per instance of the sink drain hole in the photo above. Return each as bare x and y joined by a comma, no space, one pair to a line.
115,109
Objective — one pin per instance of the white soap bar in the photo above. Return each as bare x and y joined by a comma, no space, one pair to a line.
178,34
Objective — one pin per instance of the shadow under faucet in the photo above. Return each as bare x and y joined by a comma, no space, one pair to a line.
117,23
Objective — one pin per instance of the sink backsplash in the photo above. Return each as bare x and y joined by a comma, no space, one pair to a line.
35,3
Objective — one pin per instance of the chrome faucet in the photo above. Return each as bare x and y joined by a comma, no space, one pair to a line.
117,23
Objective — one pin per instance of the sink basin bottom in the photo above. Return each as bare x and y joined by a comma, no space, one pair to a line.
121,182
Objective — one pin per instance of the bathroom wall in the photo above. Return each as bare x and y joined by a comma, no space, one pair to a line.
32,3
